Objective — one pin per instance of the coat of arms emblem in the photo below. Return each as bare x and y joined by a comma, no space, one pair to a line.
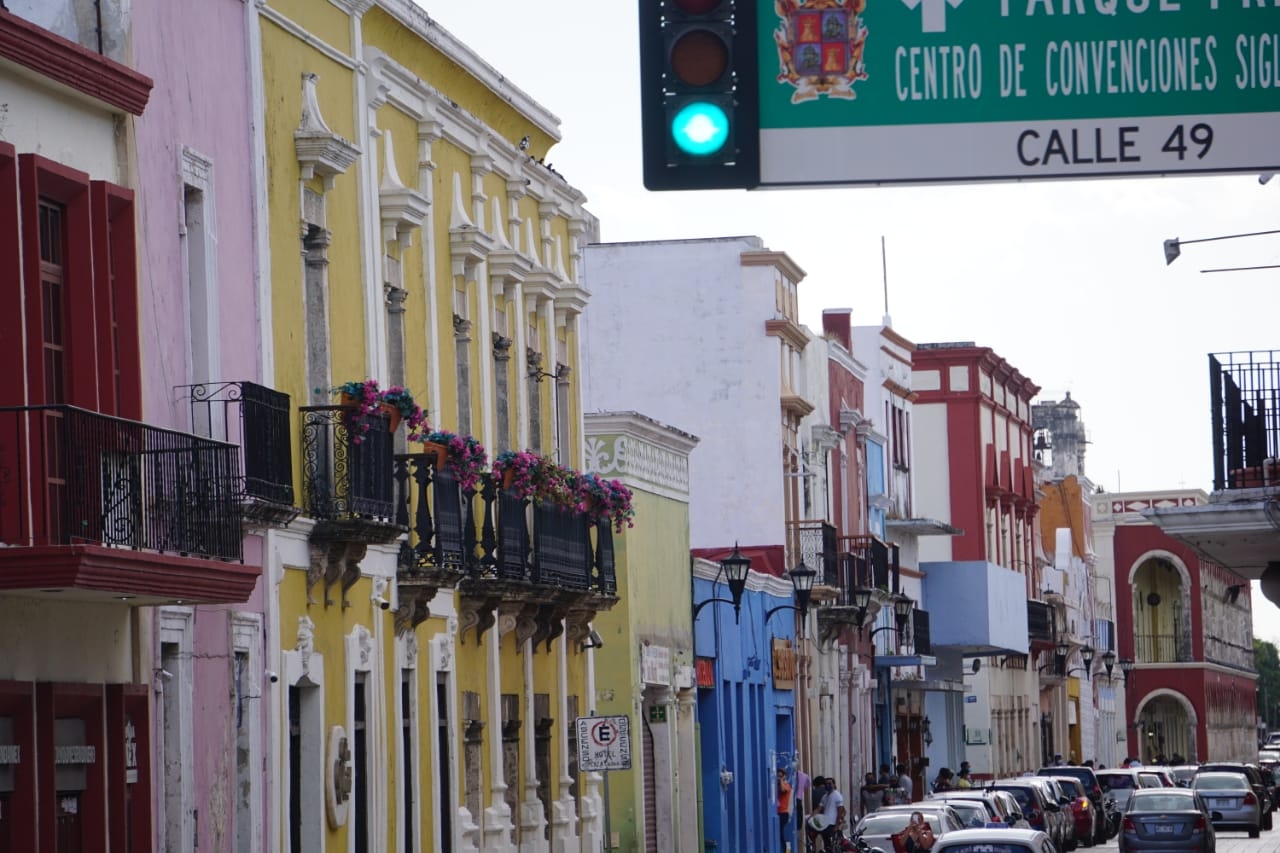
820,46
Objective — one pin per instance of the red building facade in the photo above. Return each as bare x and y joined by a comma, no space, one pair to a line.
1185,623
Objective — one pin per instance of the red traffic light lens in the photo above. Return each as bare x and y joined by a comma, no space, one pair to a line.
697,7
699,57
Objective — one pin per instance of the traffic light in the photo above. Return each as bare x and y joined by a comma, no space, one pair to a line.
699,94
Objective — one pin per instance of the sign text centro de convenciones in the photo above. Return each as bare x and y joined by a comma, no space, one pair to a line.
870,91
604,743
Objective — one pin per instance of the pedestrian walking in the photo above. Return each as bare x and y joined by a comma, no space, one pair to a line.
783,800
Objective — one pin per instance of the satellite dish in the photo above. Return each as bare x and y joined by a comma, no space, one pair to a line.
977,665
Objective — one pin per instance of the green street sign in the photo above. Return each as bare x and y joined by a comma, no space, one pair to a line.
877,91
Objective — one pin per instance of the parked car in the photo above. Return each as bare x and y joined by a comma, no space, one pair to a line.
1163,774
1084,813
1231,800
1255,781
995,841
1002,805
1066,825
1269,757
1119,783
1167,820
1183,774
1039,811
1092,788
878,828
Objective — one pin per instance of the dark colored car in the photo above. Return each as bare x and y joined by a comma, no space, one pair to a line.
1036,809
1251,773
1168,820
1092,789
1086,815
1062,817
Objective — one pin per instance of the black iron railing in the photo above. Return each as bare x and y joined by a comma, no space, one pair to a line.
70,476
257,419
816,545
869,562
494,535
1040,622
347,465
920,632
1245,397
1159,648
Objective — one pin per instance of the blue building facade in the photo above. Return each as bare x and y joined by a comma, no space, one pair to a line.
746,709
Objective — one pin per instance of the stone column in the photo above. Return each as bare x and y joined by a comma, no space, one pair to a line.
533,822
497,817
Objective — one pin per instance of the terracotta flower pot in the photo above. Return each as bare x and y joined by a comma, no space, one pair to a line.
439,451
393,414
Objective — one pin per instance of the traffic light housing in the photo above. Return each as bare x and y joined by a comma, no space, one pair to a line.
699,94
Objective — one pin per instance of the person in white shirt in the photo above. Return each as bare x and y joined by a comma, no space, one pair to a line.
904,782
830,816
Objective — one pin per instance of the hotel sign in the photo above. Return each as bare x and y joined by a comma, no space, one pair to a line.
655,665
784,665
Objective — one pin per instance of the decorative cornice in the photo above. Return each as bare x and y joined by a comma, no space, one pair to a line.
639,450
320,151
65,62
789,330
780,261
402,208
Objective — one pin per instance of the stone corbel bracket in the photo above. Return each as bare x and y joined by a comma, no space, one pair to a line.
336,563
478,613
320,151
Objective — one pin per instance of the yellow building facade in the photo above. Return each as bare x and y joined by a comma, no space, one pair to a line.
426,640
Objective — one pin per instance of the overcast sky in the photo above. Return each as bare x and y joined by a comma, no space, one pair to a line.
1064,279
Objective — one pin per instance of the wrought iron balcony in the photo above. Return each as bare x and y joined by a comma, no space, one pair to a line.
1160,648
920,632
348,474
497,546
1040,625
816,544
112,490
869,563
1245,398
257,419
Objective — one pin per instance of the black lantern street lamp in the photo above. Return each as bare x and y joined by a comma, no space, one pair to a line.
735,568
1108,662
1086,657
902,607
802,578
1126,666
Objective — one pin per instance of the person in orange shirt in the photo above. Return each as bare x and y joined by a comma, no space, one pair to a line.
784,807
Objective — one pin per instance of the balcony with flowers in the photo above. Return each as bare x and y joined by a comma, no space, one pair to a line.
348,476
524,535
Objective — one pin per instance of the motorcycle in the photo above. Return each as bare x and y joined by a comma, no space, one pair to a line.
1113,815
856,845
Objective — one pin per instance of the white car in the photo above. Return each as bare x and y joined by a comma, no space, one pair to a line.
994,841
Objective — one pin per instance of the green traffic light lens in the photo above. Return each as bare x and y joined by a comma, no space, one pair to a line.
700,128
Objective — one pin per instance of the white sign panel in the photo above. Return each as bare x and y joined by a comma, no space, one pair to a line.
604,743
655,665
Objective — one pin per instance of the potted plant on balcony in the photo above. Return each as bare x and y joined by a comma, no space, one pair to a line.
463,455
606,501
531,476
368,398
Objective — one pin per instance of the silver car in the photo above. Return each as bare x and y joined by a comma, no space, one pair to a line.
1231,801
995,841
878,828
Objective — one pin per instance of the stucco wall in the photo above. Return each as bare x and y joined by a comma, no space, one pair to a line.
676,330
